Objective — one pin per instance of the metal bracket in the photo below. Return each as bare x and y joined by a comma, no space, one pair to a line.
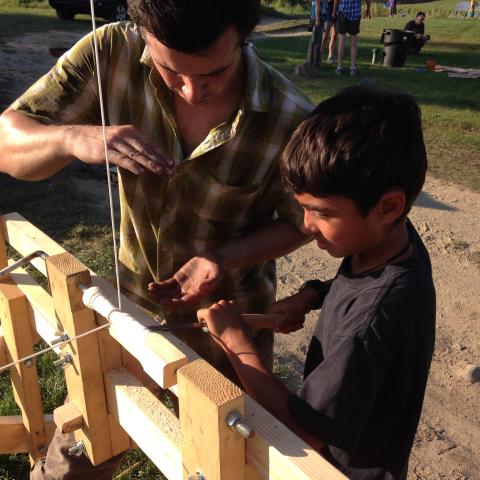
23,261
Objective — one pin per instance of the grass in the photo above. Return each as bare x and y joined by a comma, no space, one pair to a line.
451,115
450,108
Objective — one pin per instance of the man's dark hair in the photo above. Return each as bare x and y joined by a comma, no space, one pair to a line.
360,143
422,14
192,26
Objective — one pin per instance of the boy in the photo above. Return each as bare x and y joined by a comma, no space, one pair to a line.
355,165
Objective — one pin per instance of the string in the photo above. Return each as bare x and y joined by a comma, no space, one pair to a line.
105,146
57,345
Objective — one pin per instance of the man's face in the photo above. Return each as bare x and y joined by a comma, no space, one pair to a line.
338,226
419,20
199,79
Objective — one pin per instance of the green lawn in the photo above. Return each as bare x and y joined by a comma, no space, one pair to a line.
451,115
451,107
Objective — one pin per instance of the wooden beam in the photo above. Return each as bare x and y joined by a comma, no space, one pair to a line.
26,238
160,354
13,436
68,418
42,311
84,376
209,446
276,453
17,330
3,349
150,424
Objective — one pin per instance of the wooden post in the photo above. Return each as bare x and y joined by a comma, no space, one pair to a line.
209,446
13,436
18,334
84,376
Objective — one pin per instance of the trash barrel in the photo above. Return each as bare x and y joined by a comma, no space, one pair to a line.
395,46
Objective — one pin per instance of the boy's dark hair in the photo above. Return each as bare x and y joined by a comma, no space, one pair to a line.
422,14
360,143
191,26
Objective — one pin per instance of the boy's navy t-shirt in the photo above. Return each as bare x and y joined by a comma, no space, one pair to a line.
367,366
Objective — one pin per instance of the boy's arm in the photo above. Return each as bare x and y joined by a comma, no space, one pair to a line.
230,333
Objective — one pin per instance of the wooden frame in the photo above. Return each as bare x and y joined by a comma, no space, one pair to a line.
111,404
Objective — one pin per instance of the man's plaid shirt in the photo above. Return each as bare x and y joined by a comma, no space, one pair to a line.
227,187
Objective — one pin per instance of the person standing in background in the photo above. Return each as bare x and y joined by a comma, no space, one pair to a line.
348,14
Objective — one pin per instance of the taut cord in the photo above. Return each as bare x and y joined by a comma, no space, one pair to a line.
105,144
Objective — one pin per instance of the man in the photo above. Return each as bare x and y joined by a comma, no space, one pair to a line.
196,124
418,27
348,14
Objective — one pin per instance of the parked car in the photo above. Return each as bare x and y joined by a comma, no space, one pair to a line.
111,10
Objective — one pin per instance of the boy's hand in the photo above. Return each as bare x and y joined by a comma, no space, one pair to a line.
226,325
294,309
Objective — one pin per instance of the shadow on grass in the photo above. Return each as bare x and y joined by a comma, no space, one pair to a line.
14,23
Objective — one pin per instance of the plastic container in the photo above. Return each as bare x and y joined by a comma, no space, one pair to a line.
395,46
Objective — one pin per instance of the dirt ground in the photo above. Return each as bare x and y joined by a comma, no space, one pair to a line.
447,216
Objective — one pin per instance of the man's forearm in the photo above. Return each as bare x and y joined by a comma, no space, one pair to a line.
266,243
30,149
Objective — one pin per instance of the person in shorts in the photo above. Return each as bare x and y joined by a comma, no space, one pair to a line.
348,14
329,29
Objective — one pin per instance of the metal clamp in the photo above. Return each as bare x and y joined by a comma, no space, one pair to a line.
23,261
64,360
236,422
77,449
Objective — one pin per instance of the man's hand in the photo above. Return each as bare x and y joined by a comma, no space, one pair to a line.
227,327
127,147
197,278
294,309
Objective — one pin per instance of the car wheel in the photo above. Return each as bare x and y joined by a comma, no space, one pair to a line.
65,14
119,12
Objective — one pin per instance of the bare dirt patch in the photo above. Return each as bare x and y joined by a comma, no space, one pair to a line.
447,216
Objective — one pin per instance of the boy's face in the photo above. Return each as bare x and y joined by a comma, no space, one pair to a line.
338,225
199,79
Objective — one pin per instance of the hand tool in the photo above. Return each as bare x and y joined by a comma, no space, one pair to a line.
253,320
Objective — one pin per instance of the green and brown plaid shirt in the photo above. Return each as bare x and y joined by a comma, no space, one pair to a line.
227,187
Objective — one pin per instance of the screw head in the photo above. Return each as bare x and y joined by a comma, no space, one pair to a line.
196,476
77,449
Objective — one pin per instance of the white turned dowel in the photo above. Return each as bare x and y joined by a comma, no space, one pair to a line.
160,353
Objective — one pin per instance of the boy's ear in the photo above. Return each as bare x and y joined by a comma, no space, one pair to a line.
391,206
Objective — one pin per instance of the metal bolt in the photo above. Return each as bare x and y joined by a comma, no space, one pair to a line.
236,422
28,363
196,476
62,338
77,449
64,360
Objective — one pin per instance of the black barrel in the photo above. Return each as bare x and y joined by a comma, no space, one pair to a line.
395,46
